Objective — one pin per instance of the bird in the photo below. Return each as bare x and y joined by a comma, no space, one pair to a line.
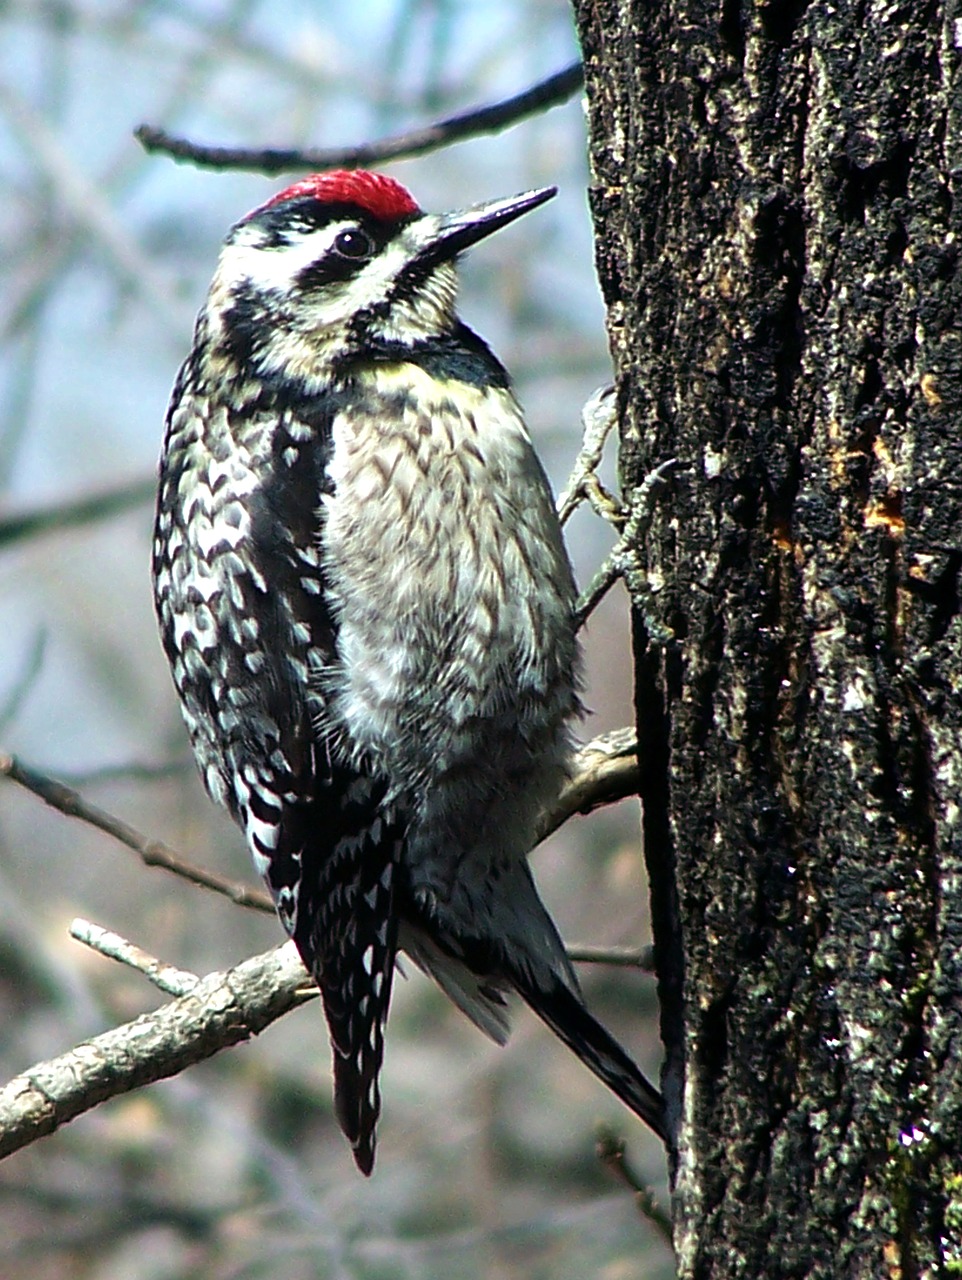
369,614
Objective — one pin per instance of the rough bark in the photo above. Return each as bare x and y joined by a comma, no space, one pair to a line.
775,190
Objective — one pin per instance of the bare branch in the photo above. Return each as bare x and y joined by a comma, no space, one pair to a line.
222,1010
154,853
212,1013
173,981
65,514
596,590
25,682
546,93
133,771
603,771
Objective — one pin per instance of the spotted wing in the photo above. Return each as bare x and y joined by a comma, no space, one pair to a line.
336,845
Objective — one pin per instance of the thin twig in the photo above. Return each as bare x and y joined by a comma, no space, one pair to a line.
134,771
87,206
51,517
620,957
611,1153
15,411
550,92
176,982
222,1010
596,590
154,853
25,681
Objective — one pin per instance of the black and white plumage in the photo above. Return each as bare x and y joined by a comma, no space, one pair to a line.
368,611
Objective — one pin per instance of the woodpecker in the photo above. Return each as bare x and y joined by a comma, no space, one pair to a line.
367,607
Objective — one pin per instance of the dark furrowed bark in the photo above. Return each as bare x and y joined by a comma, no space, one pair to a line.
775,194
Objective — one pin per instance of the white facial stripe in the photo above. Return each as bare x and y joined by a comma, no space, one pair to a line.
276,267
274,270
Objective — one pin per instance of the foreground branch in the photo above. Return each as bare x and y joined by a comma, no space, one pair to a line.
171,980
604,771
222,1010
546,93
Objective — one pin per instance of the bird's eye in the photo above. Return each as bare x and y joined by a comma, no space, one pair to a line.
353,243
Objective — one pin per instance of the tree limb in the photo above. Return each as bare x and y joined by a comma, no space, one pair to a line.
604,771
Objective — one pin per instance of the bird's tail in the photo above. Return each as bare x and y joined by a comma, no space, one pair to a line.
355,984
569,1019
347,936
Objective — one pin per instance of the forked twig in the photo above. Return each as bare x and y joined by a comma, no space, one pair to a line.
221,1010
611,1153
176,982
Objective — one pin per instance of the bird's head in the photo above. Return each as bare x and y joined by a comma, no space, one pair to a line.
340,262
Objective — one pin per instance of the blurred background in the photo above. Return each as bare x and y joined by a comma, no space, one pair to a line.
487,1164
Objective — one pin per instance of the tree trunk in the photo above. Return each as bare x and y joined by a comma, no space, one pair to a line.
775,189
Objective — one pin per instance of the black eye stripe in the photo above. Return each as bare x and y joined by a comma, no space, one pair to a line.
352,247
327,269
351,250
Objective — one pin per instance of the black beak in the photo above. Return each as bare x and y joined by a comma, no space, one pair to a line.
450,233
